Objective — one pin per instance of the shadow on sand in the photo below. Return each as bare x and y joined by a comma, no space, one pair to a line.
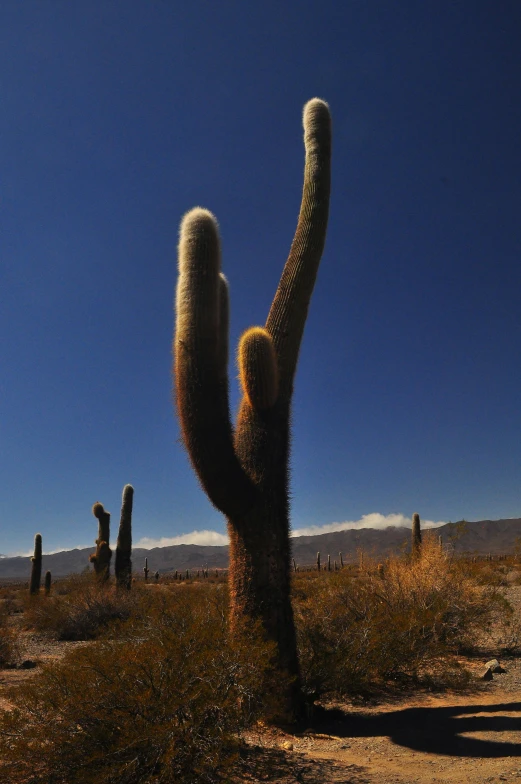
429,729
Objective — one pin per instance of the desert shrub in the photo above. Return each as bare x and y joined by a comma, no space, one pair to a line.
358,632
80,609
162,702
9,648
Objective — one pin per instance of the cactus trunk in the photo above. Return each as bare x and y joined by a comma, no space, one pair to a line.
101,558
245,472
47,584
36,568
123,564
416,535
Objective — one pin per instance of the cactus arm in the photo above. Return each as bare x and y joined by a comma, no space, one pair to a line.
289,309
201,356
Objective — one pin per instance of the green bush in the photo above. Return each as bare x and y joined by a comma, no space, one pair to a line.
163,701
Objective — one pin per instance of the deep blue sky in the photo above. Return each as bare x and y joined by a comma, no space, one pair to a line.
117,117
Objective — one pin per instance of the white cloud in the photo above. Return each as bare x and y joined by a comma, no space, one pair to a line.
372,520
195,537
206,537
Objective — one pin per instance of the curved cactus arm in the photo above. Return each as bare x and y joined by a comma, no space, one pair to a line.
201,358
289,309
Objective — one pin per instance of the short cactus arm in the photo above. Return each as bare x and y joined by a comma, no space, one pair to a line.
288,312
201,356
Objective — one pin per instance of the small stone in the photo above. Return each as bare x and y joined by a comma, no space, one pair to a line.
287,745
494,666
28,664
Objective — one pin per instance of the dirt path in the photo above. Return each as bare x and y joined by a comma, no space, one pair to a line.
472,738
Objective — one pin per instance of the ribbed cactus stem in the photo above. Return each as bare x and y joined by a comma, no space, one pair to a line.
36,566
245,470
47,583
123,563
101,558
416,535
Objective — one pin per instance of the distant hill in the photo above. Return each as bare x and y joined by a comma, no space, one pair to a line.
484,536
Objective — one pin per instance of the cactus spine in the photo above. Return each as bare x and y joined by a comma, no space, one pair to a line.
47,583
416,535
36,568
123,564
244,471
101,558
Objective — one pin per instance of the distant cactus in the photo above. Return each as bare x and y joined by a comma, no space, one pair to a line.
156,576
146,570
294,565
123,564
47,583
245,470
36,568
416,535
101,558
318,562
440,542
341,560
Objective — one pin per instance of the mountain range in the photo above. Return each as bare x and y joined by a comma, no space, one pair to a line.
497,537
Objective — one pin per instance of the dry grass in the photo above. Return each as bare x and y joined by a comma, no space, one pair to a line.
164,700
361,630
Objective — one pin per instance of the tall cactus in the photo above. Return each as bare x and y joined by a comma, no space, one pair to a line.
416,535
123,563
101,558
36,567
245,470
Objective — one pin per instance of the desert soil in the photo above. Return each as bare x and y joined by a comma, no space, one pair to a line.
450,737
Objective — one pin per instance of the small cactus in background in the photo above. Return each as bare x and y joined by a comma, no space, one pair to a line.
341,560
123,564
175,575
294,565
146,570
416,535
156,577
47,583
101,558
336,566
318,562
187,574
36,568
440,542
329,563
